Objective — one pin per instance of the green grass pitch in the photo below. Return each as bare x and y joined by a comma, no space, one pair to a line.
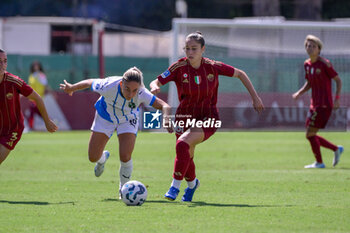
250,182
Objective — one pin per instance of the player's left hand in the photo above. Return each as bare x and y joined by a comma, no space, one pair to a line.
336,104
258,104
167,124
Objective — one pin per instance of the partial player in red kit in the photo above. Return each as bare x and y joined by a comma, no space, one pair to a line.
196,79
11,117
319,74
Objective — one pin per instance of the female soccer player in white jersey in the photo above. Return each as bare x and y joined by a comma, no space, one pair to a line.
117,109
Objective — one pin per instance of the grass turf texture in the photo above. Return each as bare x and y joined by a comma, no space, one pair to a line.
250,182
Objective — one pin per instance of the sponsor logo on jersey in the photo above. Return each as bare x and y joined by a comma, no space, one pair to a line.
210,77
9,96
165,74
197,79
185,80
318,71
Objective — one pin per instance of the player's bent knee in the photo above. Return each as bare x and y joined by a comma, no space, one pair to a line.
125,157
94,157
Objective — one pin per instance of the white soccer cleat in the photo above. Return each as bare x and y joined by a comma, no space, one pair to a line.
315,165
337,155
100,167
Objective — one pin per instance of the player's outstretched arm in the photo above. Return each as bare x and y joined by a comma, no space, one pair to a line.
162,105
302,90
50,125
257,102
155,86
71,88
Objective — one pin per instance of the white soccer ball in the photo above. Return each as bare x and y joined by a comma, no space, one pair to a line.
134,193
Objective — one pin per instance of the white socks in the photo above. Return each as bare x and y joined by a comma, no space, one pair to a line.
191,184
176,183
125,171
102,159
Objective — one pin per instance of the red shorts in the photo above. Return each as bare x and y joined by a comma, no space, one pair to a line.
10,140
318,117
208,131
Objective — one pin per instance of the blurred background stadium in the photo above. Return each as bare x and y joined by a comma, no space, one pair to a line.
81,39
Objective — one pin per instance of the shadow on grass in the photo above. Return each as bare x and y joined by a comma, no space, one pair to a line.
202,203
148,201
111,199
35,202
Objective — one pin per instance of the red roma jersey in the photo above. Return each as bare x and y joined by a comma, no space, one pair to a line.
11,117
197,88
320,74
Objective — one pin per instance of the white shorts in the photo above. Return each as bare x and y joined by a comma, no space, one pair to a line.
103,126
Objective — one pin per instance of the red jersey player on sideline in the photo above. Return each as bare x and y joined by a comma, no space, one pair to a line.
11,117
196,79
319,73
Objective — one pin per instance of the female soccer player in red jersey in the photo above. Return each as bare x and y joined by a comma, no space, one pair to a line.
196,78
11,117
319,74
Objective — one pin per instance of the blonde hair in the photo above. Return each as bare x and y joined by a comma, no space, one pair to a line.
314,39
133,75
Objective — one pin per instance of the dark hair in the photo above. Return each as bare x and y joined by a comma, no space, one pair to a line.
36,63
133,75
2,51
197,36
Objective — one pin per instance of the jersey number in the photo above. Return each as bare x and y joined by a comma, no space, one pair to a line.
12,139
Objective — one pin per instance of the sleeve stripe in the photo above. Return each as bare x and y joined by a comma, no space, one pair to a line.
92,85
152,101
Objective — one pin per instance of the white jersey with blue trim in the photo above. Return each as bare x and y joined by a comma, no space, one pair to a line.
112,106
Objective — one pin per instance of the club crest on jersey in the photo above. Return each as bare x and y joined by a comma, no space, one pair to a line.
132,105
197,79
165,74
9,96
318,71
210,77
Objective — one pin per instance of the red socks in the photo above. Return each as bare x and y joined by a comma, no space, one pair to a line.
182,160
316,142
315,145
191,171
327,144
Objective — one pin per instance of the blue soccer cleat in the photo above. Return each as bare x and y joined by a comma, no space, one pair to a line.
100,167
337,155
189,192
172,193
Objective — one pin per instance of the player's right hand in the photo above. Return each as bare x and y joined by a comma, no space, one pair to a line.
67,87
155,90
51,126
